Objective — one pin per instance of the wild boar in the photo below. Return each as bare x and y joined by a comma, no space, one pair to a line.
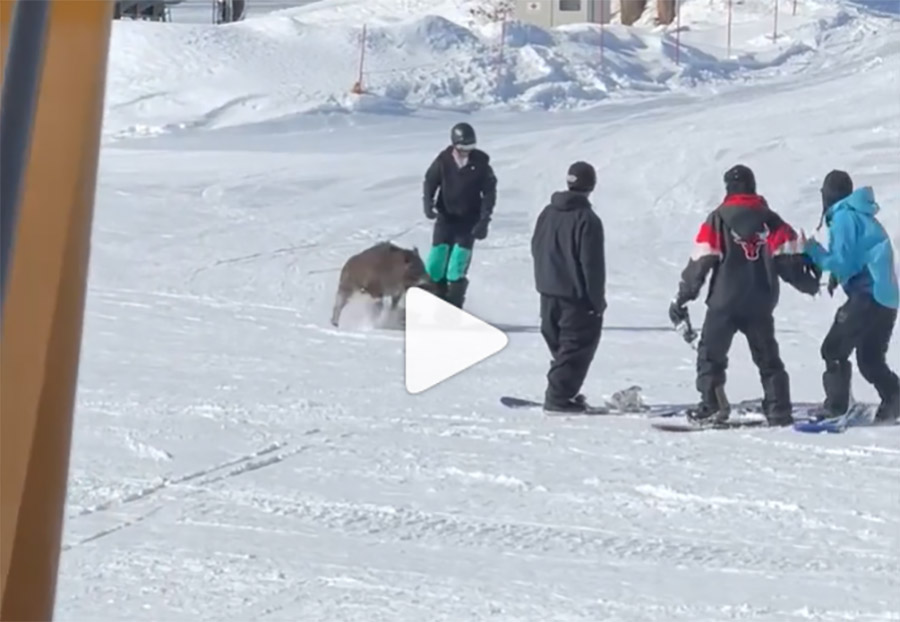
382,271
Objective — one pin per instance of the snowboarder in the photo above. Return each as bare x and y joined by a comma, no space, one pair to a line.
567,247
747,247
860,258
466,193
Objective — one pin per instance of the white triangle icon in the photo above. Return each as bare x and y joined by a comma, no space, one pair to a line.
442,340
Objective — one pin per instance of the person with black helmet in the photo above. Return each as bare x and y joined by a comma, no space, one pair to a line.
860,259
466,188
567,247
746,247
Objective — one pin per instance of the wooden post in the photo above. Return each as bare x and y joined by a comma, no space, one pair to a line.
775,27
631,11
665,11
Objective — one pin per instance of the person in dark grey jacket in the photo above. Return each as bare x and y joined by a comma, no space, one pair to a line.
567,247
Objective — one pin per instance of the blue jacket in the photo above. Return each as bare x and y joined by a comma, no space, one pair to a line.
859,251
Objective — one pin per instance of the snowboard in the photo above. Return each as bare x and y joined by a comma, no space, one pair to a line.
686,425
749,415
520,402
623,402
857,416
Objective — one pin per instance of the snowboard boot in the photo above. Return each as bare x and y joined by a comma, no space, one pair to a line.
889,409
456,292
822,412
836,382
706,414
776,404
438,288
569,407
714,408
779,417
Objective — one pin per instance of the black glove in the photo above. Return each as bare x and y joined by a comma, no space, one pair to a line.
813,271
678,313
832,284
480,230
428,206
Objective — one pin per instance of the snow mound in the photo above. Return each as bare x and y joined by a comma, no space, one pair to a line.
169,77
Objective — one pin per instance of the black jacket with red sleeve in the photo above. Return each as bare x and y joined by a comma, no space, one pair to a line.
747,247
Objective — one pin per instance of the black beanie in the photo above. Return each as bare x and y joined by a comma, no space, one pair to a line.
739,179
837,186
581,177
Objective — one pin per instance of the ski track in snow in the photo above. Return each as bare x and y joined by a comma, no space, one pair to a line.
237,458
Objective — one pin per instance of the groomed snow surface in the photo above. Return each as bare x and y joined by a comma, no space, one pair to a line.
236,458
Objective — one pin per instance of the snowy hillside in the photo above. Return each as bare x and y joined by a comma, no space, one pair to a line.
432,55
236,458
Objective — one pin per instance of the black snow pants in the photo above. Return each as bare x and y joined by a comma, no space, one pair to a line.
863,325
572,332
718,333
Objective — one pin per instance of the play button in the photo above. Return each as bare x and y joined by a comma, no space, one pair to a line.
442,340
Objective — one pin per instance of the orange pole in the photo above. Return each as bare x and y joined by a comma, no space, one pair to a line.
362,60
44,303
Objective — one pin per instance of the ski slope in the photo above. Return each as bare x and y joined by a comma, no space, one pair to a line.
236,458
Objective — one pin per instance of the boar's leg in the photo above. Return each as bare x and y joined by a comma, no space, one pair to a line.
340,301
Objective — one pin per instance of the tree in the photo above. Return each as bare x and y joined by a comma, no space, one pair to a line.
492,10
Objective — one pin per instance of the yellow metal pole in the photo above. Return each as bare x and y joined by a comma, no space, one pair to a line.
44,303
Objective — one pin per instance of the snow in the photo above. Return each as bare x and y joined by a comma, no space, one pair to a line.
237,458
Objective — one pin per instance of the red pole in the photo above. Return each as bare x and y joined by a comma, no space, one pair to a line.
775,28
358,87
729,28
677,32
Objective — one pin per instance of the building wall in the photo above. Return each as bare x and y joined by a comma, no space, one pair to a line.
550,13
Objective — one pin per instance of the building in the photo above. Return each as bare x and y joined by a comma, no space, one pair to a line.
550,13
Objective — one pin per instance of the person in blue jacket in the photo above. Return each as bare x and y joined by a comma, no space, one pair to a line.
860,258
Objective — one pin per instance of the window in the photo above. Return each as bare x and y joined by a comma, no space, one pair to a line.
570,5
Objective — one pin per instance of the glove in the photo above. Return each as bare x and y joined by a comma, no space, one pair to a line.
480,230
812,270
832,284
678,313
813,275
428,206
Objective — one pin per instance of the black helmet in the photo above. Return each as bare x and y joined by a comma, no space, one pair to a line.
836,186
581,177
739,179
462,135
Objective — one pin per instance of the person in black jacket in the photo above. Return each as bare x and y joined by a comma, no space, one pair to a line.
466,193
570,276
747,247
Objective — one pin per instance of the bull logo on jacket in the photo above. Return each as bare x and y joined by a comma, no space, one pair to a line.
752,244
